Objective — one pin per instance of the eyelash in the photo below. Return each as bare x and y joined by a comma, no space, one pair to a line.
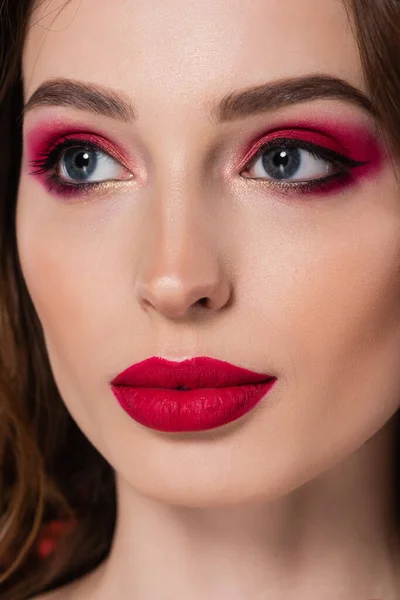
343,163
49,158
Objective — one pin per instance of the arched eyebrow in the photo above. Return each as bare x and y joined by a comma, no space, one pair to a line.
89,97
286,92
105,101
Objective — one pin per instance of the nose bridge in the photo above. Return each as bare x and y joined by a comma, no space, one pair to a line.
181,266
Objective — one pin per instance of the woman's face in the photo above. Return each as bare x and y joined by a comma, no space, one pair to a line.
296,247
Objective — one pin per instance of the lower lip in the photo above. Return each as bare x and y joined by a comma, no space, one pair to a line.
193,410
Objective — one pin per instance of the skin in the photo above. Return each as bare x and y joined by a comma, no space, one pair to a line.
278,504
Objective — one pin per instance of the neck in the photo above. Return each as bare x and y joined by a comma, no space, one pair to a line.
300,546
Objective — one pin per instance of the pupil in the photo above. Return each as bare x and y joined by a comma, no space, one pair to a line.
80,163
281,163
281,159
82,160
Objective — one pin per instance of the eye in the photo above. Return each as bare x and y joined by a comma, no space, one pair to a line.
80,164
77,166
290,163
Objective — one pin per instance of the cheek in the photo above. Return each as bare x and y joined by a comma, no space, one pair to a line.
53,280
340,328
351,305
327,296
348,319
67,277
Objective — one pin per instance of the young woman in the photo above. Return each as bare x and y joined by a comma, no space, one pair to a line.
200,299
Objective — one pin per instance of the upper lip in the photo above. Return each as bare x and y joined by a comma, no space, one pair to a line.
198,372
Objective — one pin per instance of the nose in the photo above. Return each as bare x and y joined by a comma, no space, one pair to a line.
182,268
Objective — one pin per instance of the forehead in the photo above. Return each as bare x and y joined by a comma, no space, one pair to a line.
177,50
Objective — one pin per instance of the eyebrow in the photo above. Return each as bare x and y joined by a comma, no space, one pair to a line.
90,97
287,92
104,101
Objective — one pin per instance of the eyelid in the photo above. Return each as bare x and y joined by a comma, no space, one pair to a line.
331,156
90,142
308,137
49,157
43,140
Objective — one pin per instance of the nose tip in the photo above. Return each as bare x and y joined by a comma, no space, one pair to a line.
176,298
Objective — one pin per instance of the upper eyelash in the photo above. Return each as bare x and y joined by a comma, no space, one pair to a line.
48,158
334,158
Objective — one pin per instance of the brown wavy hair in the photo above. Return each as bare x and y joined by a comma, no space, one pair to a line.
39,481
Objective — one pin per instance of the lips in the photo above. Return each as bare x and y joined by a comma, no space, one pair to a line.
192,395
195,373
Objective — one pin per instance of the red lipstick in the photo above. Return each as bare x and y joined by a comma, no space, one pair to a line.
193,395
